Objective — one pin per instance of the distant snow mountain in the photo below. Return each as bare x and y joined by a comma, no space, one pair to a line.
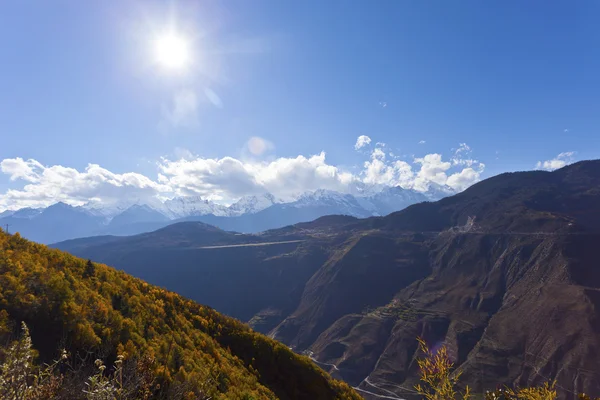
436,191
252,204
6,213
249,214
112,209
188,206
24,213
344,204
60,221
391,199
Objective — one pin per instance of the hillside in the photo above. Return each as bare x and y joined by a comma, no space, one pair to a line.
96,311
504,273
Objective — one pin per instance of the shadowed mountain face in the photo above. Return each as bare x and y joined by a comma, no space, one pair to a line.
57,222
505,274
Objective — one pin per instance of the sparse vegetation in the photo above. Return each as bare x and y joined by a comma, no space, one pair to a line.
441,381
437,375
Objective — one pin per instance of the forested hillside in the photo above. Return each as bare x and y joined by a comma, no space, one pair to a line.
95,311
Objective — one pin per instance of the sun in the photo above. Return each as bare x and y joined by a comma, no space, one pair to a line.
172,51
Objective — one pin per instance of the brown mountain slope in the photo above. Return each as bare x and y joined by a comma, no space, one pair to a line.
504,273
510,308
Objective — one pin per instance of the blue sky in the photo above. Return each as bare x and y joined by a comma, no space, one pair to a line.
517,82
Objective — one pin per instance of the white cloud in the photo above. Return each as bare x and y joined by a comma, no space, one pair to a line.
225,179
433,169
257,145
557,162
461,180
17,168
183,110
398,173
461,155
362,141
378,154
463,148
421,142
229,178
383,104
47,185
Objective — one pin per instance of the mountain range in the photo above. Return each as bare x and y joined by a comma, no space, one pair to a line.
504,274
250,214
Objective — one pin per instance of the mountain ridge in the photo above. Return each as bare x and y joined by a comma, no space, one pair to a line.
512,253
251,214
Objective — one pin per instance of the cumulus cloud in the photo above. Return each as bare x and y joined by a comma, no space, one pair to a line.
398,173
226,179
433,169
459,181
557,162
48,185
421,142
362,141
17,168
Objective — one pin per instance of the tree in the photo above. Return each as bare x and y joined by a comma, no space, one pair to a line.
90,269
436,372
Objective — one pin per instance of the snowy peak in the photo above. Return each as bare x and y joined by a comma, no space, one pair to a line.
187,206
252,204
6,213
392,199
324,197
112,209
63,210
25,213
399,193
331,202
436,191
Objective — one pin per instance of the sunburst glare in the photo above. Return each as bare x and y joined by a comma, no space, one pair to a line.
172,51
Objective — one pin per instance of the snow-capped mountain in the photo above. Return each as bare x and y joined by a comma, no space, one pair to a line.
6,213
59,221
112,209
361,189
249,214
391,199
188,206
25,213
252,204
342,203
436,191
